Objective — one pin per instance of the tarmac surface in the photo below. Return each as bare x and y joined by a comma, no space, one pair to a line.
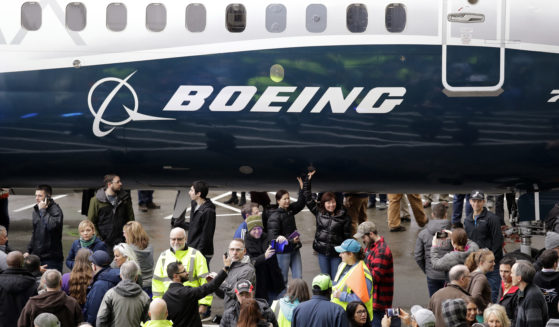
410,283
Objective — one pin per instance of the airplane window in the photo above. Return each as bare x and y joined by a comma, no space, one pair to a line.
276,16
357,18
156,17
316,18
116,17
196,17
31,16
76,16
395,18
236,19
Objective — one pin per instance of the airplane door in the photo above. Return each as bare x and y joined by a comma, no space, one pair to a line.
473,45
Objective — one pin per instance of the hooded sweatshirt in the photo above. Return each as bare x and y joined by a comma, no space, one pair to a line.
65,308
422,253
145,261
124,305
102,282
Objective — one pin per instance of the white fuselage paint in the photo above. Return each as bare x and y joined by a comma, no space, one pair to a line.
528,25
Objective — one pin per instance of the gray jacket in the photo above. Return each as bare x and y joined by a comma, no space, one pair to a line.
145,261
422,253
444,257
239,270
126,304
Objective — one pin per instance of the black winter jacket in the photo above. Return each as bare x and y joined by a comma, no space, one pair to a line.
182,301
46,240
16,287
201,228
108,219
268,272
486,232
282,221
331,229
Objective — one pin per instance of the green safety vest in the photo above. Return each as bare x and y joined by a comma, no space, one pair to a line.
341,282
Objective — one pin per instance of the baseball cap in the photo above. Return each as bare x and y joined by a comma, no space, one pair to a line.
423,317
322,281
477,195
365,227
349,245
100,258
243,286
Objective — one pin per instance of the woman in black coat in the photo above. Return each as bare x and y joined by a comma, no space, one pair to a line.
269,280
333,226
282,228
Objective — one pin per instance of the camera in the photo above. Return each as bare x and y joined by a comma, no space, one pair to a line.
442,235
393,312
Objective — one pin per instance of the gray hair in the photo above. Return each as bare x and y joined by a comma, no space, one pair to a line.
525,270
457,272
46,319
3,230
126,251
129,270
52,278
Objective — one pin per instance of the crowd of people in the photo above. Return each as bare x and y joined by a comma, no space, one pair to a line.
115,280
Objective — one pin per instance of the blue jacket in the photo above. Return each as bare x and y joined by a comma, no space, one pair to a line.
76,246
319,312
103,281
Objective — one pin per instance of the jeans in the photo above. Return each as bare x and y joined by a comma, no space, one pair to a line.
494,279
293,260
52,264
329,265
458,206
434,285
377,318
145,197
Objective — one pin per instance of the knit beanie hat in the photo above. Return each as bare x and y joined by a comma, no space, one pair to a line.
551,240
254,221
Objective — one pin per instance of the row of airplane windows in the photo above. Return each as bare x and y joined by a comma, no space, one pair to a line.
235,17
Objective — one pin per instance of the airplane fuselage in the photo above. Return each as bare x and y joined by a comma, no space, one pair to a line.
439,105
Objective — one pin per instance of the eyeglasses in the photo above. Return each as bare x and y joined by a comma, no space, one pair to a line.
178,239
236,249
181,272
361,312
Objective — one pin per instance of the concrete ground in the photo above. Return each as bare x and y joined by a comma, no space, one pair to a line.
410,283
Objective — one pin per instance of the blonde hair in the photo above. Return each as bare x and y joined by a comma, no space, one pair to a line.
499,312
86,223
136,234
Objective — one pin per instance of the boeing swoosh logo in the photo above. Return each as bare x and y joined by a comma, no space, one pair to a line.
133,114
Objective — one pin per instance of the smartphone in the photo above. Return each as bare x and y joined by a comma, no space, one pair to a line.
294,234
441,235
226,255
393,312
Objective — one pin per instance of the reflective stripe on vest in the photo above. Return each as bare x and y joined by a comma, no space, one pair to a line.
191,267
341,283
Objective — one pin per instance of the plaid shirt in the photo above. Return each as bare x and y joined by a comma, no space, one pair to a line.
379,261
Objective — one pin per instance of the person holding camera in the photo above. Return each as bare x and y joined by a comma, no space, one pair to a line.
262,256
46,239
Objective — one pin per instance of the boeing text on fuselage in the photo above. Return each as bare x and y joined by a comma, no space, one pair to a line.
187,98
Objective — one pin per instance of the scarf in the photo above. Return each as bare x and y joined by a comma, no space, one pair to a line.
86,244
